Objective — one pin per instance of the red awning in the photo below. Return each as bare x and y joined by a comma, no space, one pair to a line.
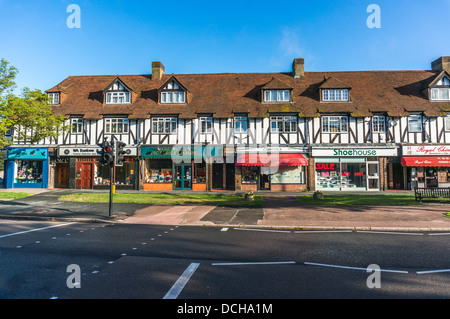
426,161
272,160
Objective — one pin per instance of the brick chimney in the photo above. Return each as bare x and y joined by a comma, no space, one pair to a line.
157,70
443,63
298,68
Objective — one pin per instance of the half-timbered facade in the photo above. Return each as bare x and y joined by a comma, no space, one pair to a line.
292,131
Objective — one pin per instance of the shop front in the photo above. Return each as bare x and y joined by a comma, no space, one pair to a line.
351,169
175,167
271,169
426,165
26,167
85,171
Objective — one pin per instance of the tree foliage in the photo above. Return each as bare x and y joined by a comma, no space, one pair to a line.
28,116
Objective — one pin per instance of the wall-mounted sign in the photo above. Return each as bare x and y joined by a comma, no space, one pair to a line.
24,153
272,149
89,151
426,150
346,152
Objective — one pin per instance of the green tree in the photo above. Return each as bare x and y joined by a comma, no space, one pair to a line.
29,115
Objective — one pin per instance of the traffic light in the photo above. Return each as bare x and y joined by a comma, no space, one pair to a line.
120,153
107,153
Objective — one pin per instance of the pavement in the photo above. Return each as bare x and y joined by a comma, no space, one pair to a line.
281,210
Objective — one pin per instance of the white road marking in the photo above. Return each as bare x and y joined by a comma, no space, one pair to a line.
33,230
432,271
321,231
224,229
178,286
354,268
388,232
254,263
265,230
439,234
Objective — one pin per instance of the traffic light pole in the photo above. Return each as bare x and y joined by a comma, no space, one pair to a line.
111,175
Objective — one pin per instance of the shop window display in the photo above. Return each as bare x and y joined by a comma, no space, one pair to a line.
250,174
158,171
124,175
101,174
199,173
328,175
28,171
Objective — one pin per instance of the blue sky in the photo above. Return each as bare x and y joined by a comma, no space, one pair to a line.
124,37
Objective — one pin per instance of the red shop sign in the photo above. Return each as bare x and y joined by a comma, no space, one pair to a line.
320,166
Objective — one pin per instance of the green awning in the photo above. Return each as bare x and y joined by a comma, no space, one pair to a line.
180,152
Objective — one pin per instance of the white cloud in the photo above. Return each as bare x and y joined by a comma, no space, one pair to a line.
289,46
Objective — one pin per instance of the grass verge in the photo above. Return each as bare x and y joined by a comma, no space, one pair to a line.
370,199
14,195
167,199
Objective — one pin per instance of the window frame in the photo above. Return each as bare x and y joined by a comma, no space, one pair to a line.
123,122
419,119
283,123
376,121
335,95
239,119
78,124
435,94
330,119
169,123
109,96
204,129
447,123
54,98
277,95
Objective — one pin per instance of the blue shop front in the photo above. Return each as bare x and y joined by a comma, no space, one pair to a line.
26,167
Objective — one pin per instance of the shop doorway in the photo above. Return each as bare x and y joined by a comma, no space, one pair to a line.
230,177
62,175
217,175
264,179
372,176
431,177
396,173
86,175
182,176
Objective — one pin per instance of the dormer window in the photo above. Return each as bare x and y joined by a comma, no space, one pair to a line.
335,95
53,98
440,94
440,88
277,96
172,93
117,93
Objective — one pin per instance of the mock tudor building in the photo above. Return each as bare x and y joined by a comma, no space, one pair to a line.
294,131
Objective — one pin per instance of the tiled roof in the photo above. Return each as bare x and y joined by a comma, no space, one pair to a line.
393,92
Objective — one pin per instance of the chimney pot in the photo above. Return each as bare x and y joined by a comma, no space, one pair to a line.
298,68
157,70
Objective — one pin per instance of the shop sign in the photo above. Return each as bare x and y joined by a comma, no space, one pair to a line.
272,149
181,152
79,151
27,153
346,152
89,151
426,150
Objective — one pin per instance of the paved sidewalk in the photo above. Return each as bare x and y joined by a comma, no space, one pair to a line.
280,211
